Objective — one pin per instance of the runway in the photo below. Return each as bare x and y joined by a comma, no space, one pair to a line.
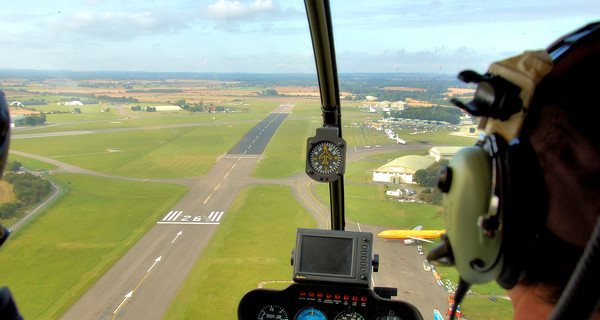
142,284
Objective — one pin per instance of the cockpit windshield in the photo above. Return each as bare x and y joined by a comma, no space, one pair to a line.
157,164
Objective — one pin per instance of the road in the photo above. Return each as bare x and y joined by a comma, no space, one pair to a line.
56,191
142,284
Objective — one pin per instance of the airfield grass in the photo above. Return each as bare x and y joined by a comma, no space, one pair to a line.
252,245
366,204
92,118
63,251
31,164
143,119
145,154
440,137
482,308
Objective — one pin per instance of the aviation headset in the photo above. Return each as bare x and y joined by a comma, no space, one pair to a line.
495,194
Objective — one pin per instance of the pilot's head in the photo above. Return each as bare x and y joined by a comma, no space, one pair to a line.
540,173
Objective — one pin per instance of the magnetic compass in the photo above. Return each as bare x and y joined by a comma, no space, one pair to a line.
325,155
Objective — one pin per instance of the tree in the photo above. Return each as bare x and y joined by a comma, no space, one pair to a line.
7,209
429,177
15,166
269,92
421,177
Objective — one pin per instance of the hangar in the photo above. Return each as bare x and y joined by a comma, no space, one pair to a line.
401,170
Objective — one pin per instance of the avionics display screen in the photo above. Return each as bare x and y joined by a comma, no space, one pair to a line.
326,255
333,256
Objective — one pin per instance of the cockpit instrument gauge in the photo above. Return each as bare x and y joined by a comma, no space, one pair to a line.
326,155
349,315
272,311
311,314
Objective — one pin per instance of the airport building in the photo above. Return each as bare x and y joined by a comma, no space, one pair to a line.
439,153
402,170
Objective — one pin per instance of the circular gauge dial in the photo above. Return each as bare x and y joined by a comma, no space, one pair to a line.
311,314
325,158
272,312
349,315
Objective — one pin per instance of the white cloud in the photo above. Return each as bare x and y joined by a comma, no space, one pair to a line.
236,10
118,25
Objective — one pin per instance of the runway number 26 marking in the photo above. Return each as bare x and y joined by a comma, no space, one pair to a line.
174,217
195,219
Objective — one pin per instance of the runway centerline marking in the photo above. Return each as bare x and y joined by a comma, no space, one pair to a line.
130,294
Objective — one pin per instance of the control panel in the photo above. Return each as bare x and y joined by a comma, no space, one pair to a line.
302,301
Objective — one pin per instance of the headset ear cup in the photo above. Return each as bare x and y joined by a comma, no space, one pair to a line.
522,201
466,202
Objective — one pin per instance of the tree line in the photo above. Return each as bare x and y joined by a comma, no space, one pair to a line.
31,120
437,113
28,189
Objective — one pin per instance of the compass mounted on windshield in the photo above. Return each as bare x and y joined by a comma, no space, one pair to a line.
326,155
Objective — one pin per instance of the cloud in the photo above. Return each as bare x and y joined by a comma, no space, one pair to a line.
231,15
236,10
120,26
435,61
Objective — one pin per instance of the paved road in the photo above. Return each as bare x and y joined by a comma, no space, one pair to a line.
142,284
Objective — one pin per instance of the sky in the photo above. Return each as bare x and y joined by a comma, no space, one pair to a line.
272,36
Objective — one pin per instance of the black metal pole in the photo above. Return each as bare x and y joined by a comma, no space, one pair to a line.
321,31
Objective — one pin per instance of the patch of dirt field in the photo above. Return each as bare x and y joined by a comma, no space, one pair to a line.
19,111
6,192
459,91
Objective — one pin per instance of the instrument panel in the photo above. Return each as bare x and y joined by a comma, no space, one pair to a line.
323,302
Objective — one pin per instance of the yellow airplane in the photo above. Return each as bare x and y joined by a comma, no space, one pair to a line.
413,235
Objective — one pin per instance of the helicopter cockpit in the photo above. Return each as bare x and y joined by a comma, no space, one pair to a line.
332,268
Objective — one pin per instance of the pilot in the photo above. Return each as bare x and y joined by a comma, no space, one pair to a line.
8,308
563,131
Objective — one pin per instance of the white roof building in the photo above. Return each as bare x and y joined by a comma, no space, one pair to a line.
402,170
439,153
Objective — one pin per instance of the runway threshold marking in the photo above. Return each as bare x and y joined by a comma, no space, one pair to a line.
172,215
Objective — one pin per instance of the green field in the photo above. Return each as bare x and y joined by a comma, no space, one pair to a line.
146,154
58,255
31,164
